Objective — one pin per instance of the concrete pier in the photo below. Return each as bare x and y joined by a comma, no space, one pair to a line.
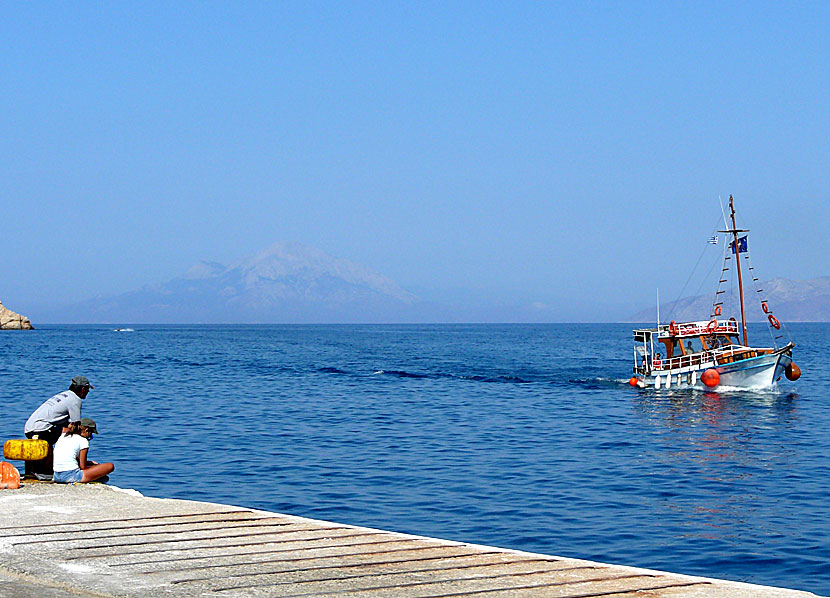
95,540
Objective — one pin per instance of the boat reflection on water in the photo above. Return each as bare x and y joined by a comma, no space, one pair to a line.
681,408
718,459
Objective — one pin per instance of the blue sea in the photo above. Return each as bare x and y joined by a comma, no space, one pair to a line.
522,436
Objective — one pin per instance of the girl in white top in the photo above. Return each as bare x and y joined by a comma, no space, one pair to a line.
70,462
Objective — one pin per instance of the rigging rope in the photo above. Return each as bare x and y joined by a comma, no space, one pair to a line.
758,292
702,253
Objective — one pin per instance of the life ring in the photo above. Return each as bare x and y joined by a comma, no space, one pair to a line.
765,307
673,328
712,326
773,321
718,310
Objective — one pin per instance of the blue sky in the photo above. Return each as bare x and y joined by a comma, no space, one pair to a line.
570,153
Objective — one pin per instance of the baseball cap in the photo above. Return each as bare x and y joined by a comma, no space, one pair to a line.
88,422
81,381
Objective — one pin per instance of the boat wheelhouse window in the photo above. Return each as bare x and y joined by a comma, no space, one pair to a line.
721,340
671,347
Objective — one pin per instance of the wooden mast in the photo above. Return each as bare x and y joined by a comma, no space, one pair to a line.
735,232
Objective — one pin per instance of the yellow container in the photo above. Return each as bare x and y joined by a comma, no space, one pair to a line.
26,450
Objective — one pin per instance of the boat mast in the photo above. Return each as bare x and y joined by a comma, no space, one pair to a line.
735,232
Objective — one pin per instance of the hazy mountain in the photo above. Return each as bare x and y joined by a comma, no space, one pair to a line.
287,282
789,300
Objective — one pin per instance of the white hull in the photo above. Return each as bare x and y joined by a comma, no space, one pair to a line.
755,373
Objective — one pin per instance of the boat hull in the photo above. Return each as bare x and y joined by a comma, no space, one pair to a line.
758,372
754,373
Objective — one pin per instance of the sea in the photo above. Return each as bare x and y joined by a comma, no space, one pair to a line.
521,436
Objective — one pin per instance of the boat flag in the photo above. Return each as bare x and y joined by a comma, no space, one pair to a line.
713,240
742,247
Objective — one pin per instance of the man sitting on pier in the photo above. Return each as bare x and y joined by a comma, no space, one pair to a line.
48,422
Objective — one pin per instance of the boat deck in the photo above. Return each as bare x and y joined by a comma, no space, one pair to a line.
95,540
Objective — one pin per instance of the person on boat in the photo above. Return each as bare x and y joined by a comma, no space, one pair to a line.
656,362
71,450
48,422
689,348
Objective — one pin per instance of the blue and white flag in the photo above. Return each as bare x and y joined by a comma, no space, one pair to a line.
713,239
742,246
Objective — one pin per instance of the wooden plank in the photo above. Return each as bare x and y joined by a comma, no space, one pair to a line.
136,547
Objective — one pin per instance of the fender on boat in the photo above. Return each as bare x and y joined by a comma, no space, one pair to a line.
793,372
710,377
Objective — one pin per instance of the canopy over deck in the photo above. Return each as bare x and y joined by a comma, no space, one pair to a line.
687,329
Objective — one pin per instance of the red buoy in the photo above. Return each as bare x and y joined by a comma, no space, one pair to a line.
710,377
793,372
633,381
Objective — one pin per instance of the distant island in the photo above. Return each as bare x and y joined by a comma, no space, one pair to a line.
292,283
283,283
10,320
792,300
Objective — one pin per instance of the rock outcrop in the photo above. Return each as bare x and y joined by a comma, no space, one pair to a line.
10,320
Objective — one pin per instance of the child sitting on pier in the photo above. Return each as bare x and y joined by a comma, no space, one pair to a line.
70,462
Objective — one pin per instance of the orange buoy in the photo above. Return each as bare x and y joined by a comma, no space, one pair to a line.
633,381
793,372
710,377
9,476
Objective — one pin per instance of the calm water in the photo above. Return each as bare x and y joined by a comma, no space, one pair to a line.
518,436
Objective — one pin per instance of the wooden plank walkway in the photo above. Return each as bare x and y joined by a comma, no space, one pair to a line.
95,540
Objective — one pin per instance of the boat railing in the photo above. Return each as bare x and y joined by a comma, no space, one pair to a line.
682,361
720,355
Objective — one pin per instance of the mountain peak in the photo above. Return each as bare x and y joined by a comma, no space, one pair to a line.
204,269
306,264
283,283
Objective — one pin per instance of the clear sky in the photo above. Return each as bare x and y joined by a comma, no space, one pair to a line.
567,152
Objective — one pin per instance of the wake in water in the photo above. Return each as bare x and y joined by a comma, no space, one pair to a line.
433,376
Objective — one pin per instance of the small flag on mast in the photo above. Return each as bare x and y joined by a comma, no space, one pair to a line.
713,240
742,245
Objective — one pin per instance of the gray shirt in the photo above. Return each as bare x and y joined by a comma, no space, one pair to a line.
61,409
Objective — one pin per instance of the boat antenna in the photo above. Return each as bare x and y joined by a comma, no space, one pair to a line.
722,211
736,248
658,308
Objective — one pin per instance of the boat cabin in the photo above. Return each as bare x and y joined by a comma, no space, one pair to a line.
671,346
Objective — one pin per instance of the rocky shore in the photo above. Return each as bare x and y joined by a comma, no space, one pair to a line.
10,320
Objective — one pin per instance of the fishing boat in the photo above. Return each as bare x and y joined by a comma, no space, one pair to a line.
715,351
